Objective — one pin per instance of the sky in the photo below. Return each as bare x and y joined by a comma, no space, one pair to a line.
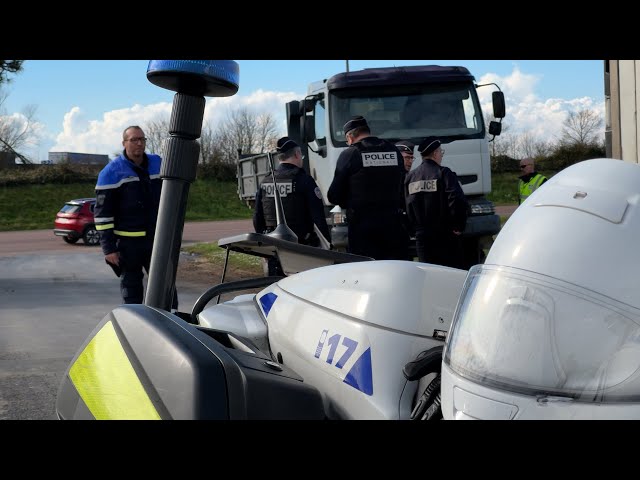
83,105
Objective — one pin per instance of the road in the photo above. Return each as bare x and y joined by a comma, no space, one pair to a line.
44,241
52,295
505,209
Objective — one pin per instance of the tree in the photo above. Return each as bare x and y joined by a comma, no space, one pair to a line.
156,132
7,67
241,129
582,128
209,149
530,146
16,131
267,132
247,131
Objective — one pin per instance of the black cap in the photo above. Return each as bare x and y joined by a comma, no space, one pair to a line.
285,144
405,146
428,145
355,122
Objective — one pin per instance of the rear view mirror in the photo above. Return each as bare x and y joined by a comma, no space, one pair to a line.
495,128
309,128
499,110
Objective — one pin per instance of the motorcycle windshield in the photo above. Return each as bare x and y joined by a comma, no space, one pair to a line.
535,335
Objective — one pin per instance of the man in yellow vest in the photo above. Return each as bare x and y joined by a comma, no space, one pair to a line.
530,180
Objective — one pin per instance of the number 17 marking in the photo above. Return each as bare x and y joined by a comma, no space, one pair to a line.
333,343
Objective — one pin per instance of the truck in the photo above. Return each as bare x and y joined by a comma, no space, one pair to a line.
399,103
622,101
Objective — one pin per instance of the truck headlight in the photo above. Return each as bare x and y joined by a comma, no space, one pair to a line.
483,207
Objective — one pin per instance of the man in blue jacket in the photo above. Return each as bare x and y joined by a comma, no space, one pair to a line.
127,201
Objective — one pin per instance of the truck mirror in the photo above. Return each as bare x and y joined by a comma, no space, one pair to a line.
495,128
308,129
307,105
293,109
293,120
499,110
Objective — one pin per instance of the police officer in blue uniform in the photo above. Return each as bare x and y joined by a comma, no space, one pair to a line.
436,207
368,184
126,210
301,200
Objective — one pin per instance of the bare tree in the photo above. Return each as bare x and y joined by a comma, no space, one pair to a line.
507,145
267,132
530,146
16,131
582,127
156,132
242,129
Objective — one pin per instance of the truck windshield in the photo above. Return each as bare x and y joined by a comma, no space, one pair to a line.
410,112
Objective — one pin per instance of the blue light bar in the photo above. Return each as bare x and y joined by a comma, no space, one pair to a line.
209,78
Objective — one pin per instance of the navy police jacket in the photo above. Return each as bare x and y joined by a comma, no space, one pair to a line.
301,202
127,200
436,204
368,179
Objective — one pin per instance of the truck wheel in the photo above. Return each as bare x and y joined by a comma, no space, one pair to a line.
70,238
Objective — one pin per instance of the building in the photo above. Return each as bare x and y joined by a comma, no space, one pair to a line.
78,158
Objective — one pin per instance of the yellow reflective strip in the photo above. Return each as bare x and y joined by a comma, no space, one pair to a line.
129,234
107,383
106,226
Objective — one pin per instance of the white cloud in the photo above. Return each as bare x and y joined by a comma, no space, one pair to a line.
105,135
259,101
526,111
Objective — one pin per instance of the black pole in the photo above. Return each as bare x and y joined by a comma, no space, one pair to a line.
192,80
178,171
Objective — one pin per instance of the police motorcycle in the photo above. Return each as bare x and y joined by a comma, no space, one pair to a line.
549,326
339,337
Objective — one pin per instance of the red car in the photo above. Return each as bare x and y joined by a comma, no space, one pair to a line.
75,221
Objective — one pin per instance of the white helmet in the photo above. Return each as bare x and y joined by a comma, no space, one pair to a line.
553,316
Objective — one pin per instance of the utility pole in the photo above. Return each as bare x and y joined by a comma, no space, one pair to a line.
347,65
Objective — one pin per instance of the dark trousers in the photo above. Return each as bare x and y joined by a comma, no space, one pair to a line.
379,238
135,255
444,249
274,267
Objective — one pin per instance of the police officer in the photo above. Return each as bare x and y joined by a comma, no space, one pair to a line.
368,184
406,150
301,200
437,207
530,180
126,210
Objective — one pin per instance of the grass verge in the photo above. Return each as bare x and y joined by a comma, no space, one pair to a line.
215,255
